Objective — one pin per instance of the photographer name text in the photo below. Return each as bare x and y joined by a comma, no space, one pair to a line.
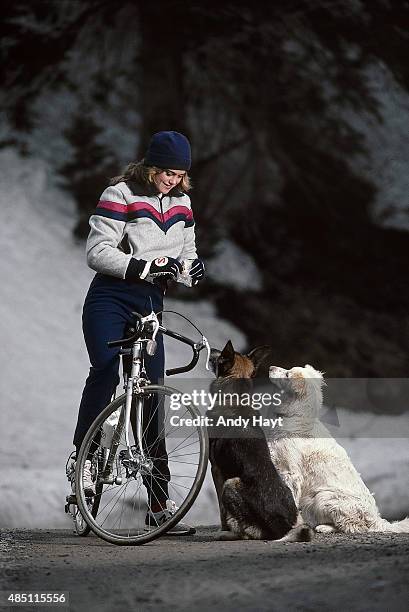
222,421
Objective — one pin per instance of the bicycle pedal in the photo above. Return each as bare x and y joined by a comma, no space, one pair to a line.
71,499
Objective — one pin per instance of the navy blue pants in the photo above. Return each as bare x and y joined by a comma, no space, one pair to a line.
107,310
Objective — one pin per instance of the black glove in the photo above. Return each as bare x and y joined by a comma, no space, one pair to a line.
197,271
162,266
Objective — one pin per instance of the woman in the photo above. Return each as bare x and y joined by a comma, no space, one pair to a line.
142,234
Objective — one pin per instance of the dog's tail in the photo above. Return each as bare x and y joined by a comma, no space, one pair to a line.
395,527
302,533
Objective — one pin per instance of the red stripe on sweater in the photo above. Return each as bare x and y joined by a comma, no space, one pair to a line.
145,206
123,208
175,210
116,206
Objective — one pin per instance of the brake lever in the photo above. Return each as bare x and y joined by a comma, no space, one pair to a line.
152,318
206,345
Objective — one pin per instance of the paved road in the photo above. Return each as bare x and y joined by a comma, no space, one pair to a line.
334,572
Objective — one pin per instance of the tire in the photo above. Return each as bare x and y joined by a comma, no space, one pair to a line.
80,524
122,503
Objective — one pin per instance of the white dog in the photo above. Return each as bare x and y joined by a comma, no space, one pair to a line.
327,489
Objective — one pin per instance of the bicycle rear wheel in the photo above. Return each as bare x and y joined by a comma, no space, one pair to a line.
173,465
81,526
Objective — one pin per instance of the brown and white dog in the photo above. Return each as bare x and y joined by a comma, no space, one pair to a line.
253,500
327,489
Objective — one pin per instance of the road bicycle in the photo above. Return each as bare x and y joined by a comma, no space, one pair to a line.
136,451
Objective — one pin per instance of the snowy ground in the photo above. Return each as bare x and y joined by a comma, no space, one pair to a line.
44,363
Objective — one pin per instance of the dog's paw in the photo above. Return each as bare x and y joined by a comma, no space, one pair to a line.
226,536
325,529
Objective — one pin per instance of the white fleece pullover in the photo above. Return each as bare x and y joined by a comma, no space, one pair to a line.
133,225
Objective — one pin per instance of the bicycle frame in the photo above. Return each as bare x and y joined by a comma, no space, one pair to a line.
133,382
135,379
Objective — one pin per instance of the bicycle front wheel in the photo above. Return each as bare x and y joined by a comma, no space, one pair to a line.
171,465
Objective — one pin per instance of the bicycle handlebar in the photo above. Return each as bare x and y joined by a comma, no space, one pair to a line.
113,343
195,346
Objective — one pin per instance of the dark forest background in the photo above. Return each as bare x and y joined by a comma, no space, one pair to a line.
267,93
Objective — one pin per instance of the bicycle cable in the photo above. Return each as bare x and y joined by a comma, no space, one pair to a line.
204,339
183,317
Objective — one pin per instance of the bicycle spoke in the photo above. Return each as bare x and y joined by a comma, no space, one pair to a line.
178,447
121,514
184,462
163,430
133,505
186,455
110,501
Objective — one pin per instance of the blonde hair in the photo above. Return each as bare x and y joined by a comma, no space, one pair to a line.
137,171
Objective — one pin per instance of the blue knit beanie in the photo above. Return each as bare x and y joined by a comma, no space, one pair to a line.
168,150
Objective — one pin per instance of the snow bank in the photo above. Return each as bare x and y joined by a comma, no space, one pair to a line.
387,142
234,267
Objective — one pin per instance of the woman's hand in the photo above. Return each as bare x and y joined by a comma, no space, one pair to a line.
197,271
162,266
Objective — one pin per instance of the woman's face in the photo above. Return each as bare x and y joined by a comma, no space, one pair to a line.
167,179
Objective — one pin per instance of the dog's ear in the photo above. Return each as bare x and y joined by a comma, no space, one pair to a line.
313,373
262,358
226,359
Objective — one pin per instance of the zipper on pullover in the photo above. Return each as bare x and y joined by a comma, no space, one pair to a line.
161,211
